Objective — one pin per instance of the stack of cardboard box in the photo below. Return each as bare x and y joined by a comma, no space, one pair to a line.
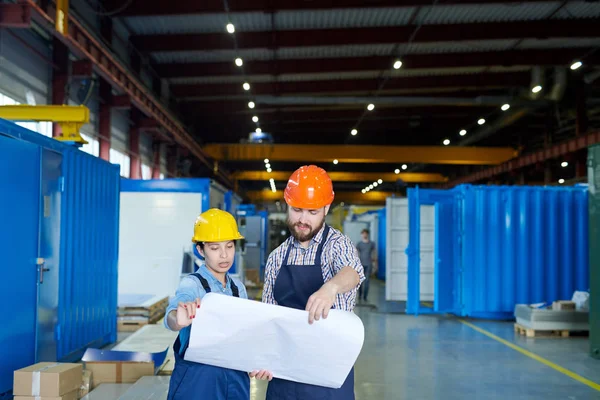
48,381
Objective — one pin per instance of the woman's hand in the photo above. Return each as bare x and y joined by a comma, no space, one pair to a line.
186,312
263,375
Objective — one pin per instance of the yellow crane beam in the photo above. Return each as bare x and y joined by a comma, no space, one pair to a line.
361,153
70,118
409,177
357,197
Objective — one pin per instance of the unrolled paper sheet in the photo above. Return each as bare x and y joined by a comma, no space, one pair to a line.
248,335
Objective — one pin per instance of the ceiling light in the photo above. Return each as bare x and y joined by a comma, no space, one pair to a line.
269,170
537,89
561,181
251,104
266,160
258,130
446,142
255,119
239,62
463,132
505,107
246,86
375,184
404,166
371,186
267,165
353,132
230,28
380,181
576,65
271,180
397,64
335,161
481,121
371,107
564,164
396,171
364,191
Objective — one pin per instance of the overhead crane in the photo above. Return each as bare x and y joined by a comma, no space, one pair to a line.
70,118
354,197
457,155
408,177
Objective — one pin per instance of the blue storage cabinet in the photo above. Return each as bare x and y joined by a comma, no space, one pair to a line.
59,243
381,238
498,246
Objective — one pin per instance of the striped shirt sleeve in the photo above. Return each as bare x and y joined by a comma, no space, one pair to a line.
346,255
270,276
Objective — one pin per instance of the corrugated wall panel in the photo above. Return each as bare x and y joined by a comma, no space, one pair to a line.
89,254
526,245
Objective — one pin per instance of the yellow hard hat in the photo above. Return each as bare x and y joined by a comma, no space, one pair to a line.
215,225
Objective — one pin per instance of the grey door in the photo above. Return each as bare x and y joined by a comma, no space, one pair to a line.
48,258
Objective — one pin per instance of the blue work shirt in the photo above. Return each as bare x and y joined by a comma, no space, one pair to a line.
190,289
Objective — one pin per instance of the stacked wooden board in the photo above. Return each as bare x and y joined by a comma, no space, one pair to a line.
137,310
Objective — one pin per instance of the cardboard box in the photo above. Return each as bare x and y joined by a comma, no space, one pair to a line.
118,371
86,383
48,379
563,305
68,396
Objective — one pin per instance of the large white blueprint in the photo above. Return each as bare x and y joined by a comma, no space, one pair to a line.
248,335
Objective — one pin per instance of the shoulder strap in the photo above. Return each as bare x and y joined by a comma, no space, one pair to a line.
203,282
234,288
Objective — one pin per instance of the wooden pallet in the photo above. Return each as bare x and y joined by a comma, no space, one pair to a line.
130,325
529,332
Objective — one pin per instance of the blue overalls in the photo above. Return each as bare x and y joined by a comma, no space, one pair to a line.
293,286
191,380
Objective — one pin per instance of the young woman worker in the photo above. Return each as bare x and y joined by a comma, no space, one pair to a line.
214,234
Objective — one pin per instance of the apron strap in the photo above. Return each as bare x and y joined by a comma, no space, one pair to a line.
321,245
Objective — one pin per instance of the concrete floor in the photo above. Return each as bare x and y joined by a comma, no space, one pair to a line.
439,357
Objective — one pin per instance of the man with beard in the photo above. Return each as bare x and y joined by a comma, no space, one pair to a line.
316,269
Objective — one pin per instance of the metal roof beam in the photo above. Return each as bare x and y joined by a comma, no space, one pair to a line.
160,7
365,36
547,57
354,197
495,80
408,177
361,153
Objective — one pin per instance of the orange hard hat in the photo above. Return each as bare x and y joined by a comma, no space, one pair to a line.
309,187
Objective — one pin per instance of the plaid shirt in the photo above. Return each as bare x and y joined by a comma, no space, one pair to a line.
338,252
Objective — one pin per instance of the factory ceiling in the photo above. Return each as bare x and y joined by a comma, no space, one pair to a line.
363,76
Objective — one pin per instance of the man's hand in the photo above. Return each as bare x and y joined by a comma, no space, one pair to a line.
321,302
262,375
186,312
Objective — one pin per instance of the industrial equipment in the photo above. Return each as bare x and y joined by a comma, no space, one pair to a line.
70,118
253,226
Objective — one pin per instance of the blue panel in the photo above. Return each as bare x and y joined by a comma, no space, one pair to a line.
381,260
186,185
515,245
49,250
89,254
413,252
19,202
444,259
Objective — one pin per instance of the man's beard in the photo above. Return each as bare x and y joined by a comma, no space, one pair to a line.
304,237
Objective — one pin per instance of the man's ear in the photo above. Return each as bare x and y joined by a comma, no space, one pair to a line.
327,209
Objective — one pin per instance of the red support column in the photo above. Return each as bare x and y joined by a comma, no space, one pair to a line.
156,162
60,77
135,163
104,119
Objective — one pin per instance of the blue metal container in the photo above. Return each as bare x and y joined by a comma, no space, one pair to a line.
498,246
381,238
59,239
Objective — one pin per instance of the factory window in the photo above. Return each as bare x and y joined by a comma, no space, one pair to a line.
92,147
122,159
146,171
44,128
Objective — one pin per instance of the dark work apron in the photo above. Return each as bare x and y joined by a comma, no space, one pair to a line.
191,380
293,286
